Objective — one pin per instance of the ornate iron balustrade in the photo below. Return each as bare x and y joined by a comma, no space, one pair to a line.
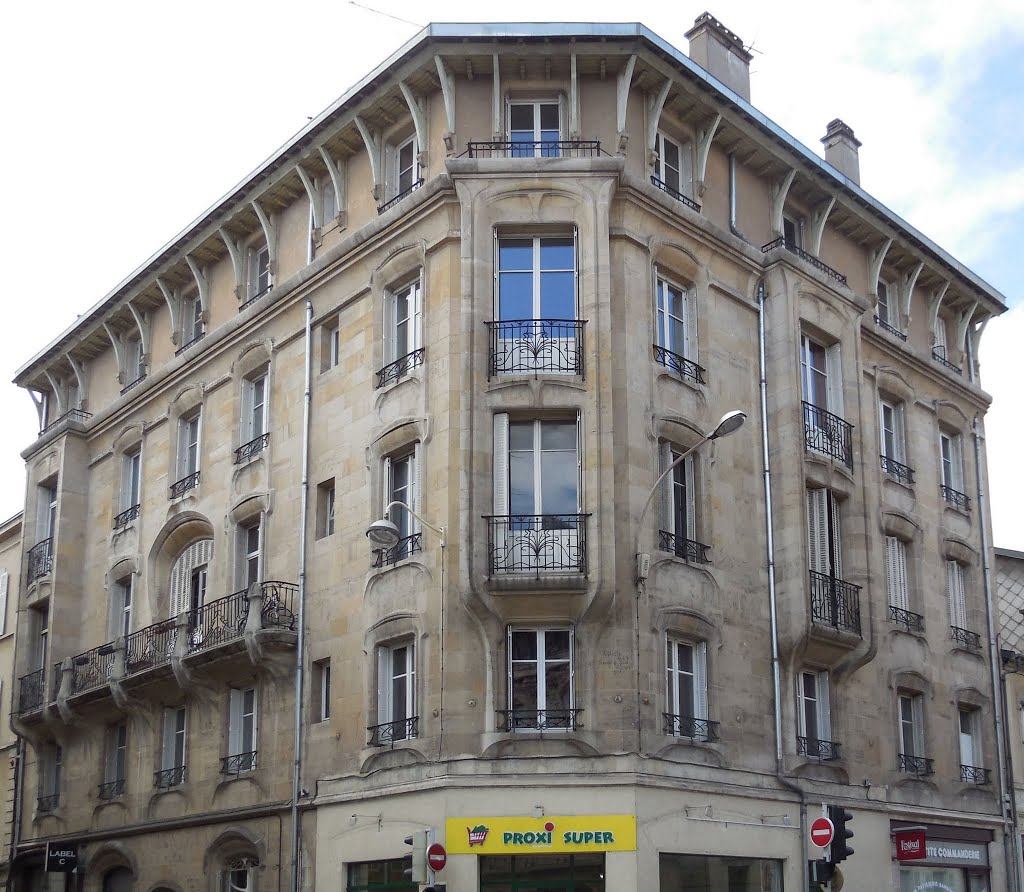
682,366
180,487
687,549
218,622
112,789
403,548
40,559
195,340
968,640
30,691
238,764
912,622
895,469
828,433
835,602
703,730
132,384
71,415
678,196
537,543
539,719
92,669
250,301
150,646
169,777
254,447
278,606
388,205
955,498
395,371
540,148
532,346
939,355
126,516
388,733
881,323
822,750
781,242
971,774
48,802
918,765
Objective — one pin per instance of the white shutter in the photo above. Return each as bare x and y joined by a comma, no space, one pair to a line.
659,328
824,706
247,408
416,310
5,584
386,483
235,723
690,309
579,462
940,336
955,589
958,463
410,680
572,667
501,494
389,340
691,501
416,478
167,753
508,663
917,711
834,373
668,515
383,685
115,611
837,541
801,716
817,530
896,572
700,680
899,433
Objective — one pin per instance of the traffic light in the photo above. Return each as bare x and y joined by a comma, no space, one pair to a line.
840,818
820,871
417,859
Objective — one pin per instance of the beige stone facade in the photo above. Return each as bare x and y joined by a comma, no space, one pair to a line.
538,261
10,560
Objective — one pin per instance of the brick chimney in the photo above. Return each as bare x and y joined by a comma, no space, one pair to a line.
841,149
720,52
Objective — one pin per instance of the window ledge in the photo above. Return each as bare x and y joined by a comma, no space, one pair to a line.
528,581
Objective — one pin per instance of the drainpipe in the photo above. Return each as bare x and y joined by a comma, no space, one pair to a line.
1011,842
770,540
300,650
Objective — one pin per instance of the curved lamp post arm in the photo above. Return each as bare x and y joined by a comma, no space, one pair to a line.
426,523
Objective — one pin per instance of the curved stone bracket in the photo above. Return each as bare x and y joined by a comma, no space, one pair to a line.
173,305
373,149
574,100
142,324
82,376
778,192
419,120
817,227
961,328
933,308
496,97
448,95
307,184
623,81
58,388
269,233
182,674
875,260
655,106
235,252
907,288
202,284
704,138
336,171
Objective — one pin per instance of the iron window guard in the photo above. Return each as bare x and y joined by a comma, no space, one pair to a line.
678,196
48,802
180,487
30,691
195,340
238,763
539,719
388,205
968,640
539,148
132,384
955,498
917,765
395,371
781,242
939,355
126,516
702,730
835,602
403,548
71,415
822,750
688,549
40,559
828,434
250,301
912,622
971,774
893,468
388,733
254,447
112,789
169,777
881,323
525,346
682,366
536,543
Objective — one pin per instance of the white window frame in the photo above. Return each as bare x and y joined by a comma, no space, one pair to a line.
131,478
243,728
663,170
679,682
811,369
410,297
122,591
239,875
537,151
408,493
969,739
793,230
911,720
326,496
820,704
951,462
174,740
46,517
536,270
255,406
322,680
115,763
669,295
389,679
824,533
896,582
258,279
192,327
677,487
134,363
397,170
41,618
940,336
193,560
956,595
892,430
540,675
190,433
884,291
249,559
333,345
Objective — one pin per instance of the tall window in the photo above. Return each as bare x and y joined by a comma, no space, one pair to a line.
540,679
542,467
131,474
882,308
241,731
396,693
328,201
401,484
257,271
896,573
821,375
403,321
678,532
912,725
172,751
892,430
325,496
116,759
189,576
970,750
406,166
250,536
534,129
46,517
941,337
51,767
952,469
120,620
188,444
687,689
792,232
815,715
41,615
677,319
135,367
192,320
254,407
673,166
824,533
322,690
956,595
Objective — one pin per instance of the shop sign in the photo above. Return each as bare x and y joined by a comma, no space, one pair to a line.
910,845
532,836
956,854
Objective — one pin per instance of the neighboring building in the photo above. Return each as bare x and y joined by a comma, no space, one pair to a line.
10,562
1009,572
538,259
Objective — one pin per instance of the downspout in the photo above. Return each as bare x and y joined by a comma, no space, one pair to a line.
770,546
16,807
1011,842
301,644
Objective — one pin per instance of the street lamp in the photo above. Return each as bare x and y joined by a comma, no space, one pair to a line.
729,423
385,533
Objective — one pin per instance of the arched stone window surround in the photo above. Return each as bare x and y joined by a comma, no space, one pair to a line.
398,269
109,856
235,843
185,402
178,533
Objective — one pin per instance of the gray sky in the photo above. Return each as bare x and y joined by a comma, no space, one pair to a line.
125,120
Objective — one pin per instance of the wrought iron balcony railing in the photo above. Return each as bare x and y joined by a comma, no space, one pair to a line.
76,415
169,777
40,559
539,148
389,733
687,549
388,205
537,543
180,487
971,774
828,434
898,471
403,548
218,622
92,669
939,355
533,346
132,384
278,610
395,371
539,719
199,335
955,498
150,646
781,242
918,765
822,750
881,323
238,764
48,802
254,447
251,300
30,691
703,730
912,622
682,366
112,789
677,195
126,517
835,602
968,640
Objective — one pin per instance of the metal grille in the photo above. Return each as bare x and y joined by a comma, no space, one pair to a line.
255,297
388,733
955,498
536,543
687,549
403,548
822,750
682,366
388,205
835,603
918,765
969,640
531,346
126,517
970,774
238,763
539,719
30,691
542,148
169,777
184,485
687,726
48,803
828,433
40,559
71,415
889,328
401,367
150,646
939,355
191,343
92,669
678,196
111,789
218,622
254,447
278,605
912,622
894,469
781,242
132,384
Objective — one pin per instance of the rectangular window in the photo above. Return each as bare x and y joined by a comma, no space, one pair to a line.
543,468
882,308
687,689
322,690
403,320
250,543
970,750
46,512
821,375
891,418
407,166
396,692
678,532
325,509
896,573
192,320
677,319
401,485
956,595
534,129
117,749
792,232
197,589
941,337
188,444
254,408
328,201
41,615
51,766
540,680
258,271
131,475
673,166
951,458
120,620
912,725
823,532
814,714
241,731
330,345
172,755
134,366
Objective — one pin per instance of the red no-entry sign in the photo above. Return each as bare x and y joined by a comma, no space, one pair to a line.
822,832
437,857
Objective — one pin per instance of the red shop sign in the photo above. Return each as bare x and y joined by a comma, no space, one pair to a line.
910,845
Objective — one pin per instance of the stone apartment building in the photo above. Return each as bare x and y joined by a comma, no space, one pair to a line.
501,292
11,549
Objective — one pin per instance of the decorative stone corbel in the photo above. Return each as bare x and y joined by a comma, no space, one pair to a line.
307,184
704,138
448,95
336,171
182,640
907,288
65,689
574,100
373,149
933,309
235,252
82,377
142,323
119,352
875,260
817,225
655,106
777,192
496,103
173,307
202,286
622,84
962,325
39,401
254,623
270,234
419,120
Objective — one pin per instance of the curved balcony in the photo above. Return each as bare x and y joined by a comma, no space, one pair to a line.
828,434
537,543
395,371
389,733
702,730
683,367
40,560
689,550
539,719
813,748
835,603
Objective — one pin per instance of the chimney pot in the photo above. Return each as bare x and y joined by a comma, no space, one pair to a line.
720,52
841,149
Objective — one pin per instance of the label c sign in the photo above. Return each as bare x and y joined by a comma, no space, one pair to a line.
437,857
61,857
822,832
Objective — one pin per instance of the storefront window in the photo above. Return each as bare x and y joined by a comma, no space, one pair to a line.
550,873
710,873
379,876
941,879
